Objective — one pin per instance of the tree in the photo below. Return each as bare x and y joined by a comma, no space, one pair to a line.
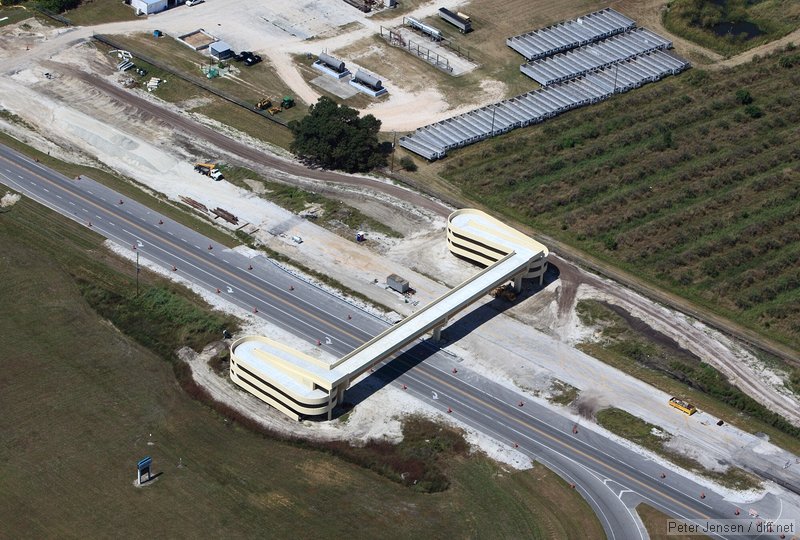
59,6
335,137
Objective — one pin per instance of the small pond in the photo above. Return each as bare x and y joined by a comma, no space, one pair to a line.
750,30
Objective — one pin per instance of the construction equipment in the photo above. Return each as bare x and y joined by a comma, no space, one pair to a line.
682,406
209,169
287,103
275,110
505,292
265,103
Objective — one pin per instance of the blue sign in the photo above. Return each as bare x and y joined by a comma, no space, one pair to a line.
144,463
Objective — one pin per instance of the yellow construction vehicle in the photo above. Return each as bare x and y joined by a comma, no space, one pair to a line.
208,169
682,406
265,103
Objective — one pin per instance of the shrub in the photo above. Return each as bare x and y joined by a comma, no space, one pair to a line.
753,111
408,163
743,97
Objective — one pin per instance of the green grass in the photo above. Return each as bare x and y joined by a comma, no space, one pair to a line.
92,12
655,362
563,393
677,183
645,434
656,524
82,401
696,20
19,13
334,213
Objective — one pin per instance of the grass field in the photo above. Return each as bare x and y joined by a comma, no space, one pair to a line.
732,26
249,84
658,363
333,214
92,12
656,524
690,184
82,403
653,438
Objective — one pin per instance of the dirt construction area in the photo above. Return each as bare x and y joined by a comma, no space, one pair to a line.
48,89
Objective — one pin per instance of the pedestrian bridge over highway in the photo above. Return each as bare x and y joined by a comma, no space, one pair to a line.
300,385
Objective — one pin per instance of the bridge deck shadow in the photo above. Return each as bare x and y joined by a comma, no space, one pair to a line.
421,351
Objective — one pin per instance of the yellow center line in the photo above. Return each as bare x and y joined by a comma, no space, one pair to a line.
191,255
561,442
329,324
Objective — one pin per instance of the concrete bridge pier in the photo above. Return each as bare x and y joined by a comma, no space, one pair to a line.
437,332
518,283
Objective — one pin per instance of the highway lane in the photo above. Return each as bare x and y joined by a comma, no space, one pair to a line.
611,477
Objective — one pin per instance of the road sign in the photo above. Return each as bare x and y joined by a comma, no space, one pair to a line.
142,467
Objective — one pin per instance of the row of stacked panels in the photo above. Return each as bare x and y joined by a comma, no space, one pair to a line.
433,141
574,63
570,34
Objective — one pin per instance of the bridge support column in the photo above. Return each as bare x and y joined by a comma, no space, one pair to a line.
437,333
518,283
330,400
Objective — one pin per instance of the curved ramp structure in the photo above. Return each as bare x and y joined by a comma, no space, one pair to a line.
300,385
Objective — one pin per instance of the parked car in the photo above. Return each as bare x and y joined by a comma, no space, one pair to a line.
252,60
242,55
194,2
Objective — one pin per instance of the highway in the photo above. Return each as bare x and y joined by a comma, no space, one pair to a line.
611,477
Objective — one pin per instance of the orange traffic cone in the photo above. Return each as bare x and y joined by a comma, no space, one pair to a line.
521,403
160,221
210,247
449,410
455,370
255,310
249,266
218,291
174,269
405,387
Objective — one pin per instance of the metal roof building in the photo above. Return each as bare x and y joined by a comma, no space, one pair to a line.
433,141
574,63
570,34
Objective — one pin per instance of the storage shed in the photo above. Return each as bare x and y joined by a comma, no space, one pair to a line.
148,7
220,50
397,283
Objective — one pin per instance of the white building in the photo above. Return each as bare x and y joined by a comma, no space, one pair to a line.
148,7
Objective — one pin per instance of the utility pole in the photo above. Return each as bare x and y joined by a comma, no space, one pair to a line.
137,273
394,145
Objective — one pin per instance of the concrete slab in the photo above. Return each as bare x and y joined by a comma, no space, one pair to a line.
338,87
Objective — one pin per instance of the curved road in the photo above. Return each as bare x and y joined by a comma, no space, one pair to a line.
611,477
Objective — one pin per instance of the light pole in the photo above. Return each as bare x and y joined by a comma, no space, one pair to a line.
137,273
394,144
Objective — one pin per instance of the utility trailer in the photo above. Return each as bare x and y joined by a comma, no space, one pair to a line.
463,24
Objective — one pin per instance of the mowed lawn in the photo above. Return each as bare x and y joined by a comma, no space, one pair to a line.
691,183
81,403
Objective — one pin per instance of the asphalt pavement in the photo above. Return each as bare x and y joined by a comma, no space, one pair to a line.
611,477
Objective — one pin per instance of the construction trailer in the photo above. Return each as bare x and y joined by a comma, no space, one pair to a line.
397,283
220,50
464,25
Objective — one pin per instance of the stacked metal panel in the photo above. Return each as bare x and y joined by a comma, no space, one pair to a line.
433,141
570,34
577,62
